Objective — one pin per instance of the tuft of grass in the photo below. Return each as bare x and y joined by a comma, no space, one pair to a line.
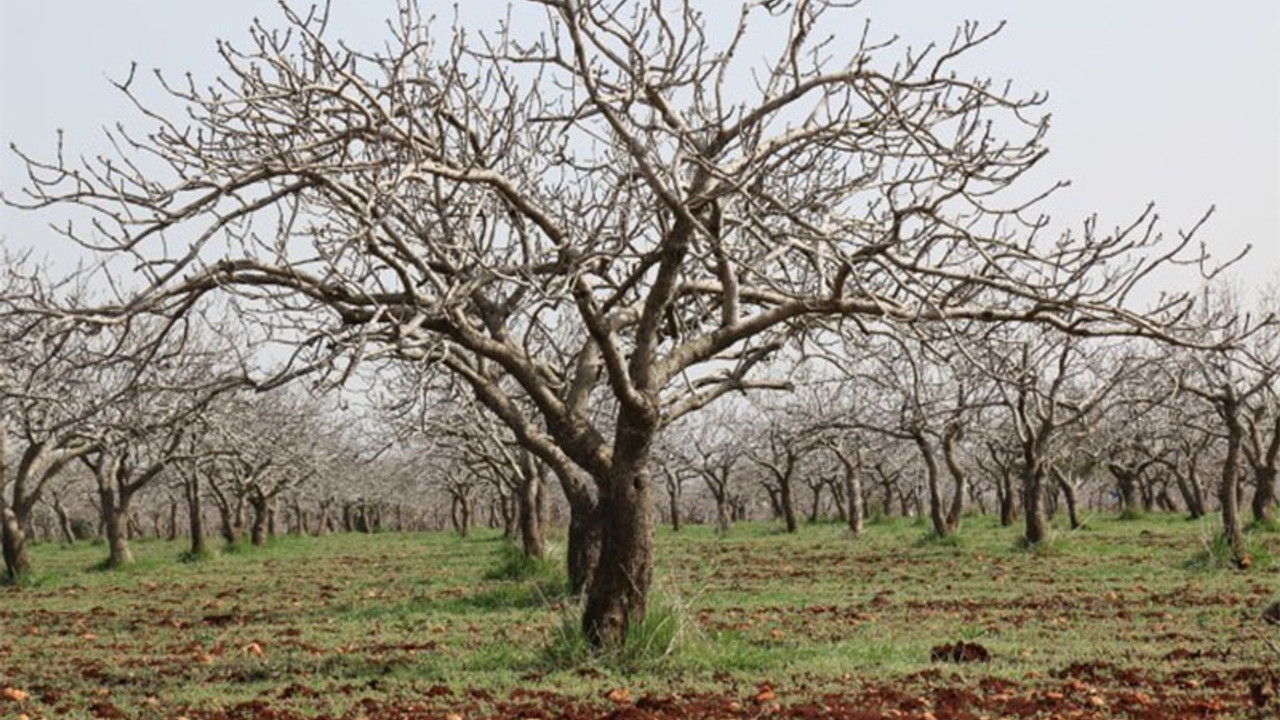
651,644
933,539
513,565
1216,555
1266,525
187,557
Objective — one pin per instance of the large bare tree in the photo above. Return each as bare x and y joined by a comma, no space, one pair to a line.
599,205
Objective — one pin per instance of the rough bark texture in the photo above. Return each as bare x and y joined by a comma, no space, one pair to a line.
583,552
14,541
619,590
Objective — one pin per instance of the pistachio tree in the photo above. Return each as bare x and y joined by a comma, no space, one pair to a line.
602,205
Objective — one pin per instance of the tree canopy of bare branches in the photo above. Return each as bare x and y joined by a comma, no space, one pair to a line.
614,206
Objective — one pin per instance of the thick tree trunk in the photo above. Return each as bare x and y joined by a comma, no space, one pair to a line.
1033,498
619,591
13,540
115,523
1127,487
1264,496
787,505
261,521
723,519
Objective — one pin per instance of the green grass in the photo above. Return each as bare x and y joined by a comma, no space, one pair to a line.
317,624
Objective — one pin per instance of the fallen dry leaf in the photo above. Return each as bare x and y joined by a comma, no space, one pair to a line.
765,694
15,695
619,696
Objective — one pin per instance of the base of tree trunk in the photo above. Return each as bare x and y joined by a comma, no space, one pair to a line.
620,589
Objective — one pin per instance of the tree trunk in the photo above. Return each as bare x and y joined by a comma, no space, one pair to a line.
853,491
13,539
1229,490
1127,486
584,547
787,505
1264,496
673,501
261,520
64,521
1069,495
1192,494
115,519
959,478
530,497
195,515
1037,523
620,588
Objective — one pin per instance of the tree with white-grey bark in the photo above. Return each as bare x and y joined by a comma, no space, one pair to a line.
602,219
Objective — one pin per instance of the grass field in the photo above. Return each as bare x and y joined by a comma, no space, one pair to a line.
1118,620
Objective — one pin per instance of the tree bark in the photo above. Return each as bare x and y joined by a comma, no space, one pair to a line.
1229,489
115,519
261,520
959,478
1069,495
530,502
618,593
64,520
1037,523
195,514
1264,497
13,538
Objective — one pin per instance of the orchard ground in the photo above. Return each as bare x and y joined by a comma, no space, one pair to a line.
1121,619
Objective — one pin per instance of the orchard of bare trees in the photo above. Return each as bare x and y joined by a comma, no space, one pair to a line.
600,272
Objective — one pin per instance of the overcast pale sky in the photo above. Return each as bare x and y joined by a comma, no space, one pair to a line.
1172,101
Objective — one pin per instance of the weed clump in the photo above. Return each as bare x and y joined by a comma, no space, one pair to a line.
512,564
1217,555
651,642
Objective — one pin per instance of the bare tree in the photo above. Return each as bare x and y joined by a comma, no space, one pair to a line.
605,200
1229,379
48,395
